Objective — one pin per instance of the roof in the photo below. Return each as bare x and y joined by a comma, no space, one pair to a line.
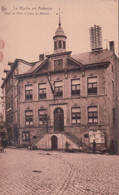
59,32
93,57
14,64
38,64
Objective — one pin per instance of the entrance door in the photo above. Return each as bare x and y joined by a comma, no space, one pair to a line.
54,142
58,119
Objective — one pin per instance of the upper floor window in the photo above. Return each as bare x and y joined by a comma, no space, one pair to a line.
92,86
25,136
75,87
92,114
28,92
28,117
42,116
58,89
58,64
42,90
76,115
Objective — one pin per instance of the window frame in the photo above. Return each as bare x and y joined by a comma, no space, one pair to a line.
44,117
30,96
30,117
41,89
58,94
94,115
28,138
94,90
76,118
75,85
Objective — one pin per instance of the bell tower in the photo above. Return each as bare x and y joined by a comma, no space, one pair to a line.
59,38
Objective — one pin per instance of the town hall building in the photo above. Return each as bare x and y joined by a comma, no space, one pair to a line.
64,100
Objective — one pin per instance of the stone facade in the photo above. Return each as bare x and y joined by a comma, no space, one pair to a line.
66,98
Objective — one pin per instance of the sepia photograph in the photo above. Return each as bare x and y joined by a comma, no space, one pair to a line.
59,97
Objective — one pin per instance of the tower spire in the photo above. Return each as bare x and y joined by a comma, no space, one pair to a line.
60,37
59,18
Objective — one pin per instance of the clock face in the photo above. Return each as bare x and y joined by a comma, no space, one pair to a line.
2,44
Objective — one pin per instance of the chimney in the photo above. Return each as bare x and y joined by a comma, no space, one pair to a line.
111,46
96,37
41,57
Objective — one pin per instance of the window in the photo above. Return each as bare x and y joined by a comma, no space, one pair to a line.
76,115
58,90
25,136
60,44
58,64
64,44
42,116
75,87
93,114
28,92
86,136
29,117
55,44
92,85
42,90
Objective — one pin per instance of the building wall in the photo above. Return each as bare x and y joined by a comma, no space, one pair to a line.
66,103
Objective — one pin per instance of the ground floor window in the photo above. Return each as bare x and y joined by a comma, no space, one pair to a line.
92,114
25,136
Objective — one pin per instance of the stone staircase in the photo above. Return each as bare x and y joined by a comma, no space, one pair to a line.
78,141
74,138
43,141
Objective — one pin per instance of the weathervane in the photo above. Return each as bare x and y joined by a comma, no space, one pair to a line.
59,16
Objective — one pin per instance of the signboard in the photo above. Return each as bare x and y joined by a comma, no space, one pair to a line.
96,135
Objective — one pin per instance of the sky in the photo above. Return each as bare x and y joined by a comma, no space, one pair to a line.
27,27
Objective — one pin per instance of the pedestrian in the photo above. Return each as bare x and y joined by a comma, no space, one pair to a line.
94,146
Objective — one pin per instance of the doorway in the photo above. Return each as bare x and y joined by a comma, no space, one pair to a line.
58,119
54,142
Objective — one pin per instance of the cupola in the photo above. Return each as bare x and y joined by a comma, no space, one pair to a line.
59,39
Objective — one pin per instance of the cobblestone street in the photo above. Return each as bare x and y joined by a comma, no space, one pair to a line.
27,172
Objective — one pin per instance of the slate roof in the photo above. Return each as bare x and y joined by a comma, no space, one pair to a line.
38,64
88,58
93,57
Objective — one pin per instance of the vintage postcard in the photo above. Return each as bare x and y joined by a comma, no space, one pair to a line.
59,97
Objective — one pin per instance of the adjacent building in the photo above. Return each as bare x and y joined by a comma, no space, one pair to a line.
64,100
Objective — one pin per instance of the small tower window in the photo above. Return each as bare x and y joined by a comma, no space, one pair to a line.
60,44
55,45
64,44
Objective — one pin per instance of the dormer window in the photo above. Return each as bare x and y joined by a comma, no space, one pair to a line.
58,64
